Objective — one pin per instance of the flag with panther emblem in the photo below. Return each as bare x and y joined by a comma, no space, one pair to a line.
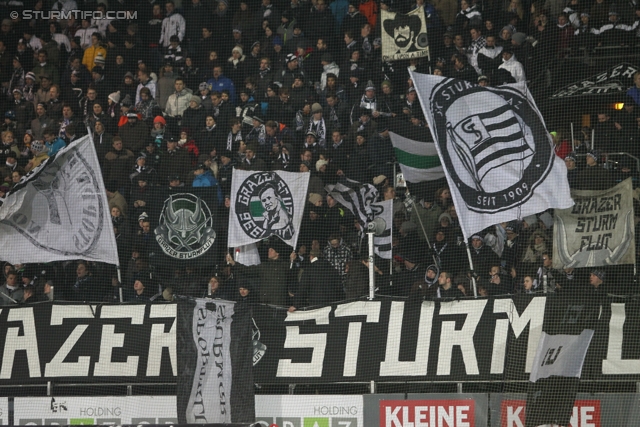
265,204
496,152
183,229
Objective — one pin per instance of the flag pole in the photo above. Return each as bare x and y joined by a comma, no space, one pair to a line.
372,274
119,281
573,140
473,277
424,232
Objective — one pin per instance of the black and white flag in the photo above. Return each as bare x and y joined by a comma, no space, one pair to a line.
404,36
215,384
265,204
356,197
59,211
383,242
568,329
497,154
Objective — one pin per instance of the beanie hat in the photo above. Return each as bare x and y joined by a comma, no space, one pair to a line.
314,198
237,49
519,37
379,179
195,99
30,75
316,108
126,102
99,59
320,163
159,119
595,155
115,97
599,274
37,146
571,156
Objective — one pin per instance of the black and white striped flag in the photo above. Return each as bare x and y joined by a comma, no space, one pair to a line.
360,200
356,197
382,243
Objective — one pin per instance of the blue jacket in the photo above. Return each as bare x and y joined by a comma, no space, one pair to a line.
57,145
208,180
223,83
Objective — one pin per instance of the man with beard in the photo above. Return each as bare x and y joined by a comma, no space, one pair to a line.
404,30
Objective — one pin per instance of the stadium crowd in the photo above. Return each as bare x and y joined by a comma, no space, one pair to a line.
177,94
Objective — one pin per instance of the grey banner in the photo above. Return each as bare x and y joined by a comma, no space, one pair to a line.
598,230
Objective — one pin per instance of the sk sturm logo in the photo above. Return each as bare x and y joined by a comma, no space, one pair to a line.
186,227
264,206
63,193
493,142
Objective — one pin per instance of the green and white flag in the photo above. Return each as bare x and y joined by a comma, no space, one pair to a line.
418,160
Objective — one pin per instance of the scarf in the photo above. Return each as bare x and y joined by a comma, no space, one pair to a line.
320,129
231,138
263,73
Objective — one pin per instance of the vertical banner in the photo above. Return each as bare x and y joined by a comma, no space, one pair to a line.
495,149
598,230
404,36
207,371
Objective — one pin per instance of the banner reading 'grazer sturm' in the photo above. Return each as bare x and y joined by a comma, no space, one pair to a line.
496,152
598,230
265,204
215,384
615,80
388,339
404,36
59,211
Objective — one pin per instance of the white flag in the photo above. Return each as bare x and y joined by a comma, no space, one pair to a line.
265,204
59,211
560,355
495,149
383,242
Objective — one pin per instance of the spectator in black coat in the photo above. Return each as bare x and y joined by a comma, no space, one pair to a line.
193,118
320,284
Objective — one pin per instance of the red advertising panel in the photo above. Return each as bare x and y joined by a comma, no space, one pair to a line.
586,413
427,413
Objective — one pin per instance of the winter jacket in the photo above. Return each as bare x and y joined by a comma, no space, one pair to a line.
327,69
515,68
178,102
90,55
173,25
